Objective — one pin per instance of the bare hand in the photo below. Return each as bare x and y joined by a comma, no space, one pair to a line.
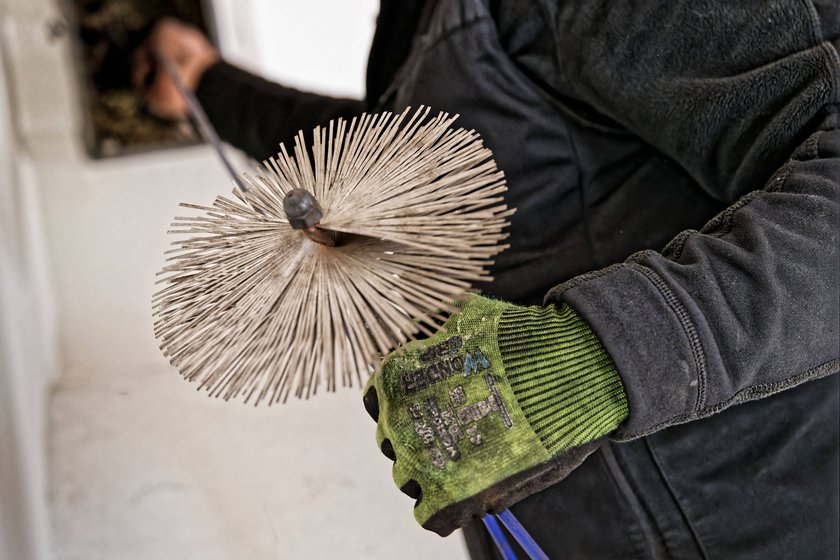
192,54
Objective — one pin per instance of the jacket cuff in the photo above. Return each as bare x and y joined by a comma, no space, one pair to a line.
647,333
208,83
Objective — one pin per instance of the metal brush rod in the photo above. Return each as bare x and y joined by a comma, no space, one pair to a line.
205,128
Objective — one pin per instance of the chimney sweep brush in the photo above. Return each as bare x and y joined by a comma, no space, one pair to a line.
326,260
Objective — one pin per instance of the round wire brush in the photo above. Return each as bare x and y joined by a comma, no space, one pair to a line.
328,259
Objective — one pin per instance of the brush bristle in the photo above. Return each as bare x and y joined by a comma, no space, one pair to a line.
253,309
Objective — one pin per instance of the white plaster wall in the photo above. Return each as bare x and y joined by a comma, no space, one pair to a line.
315,45
142,466
28,352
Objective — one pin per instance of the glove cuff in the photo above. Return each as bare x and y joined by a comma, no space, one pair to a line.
564,381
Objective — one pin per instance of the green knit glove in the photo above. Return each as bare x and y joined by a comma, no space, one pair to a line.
502,403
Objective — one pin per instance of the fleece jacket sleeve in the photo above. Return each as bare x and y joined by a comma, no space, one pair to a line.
744,97
744,308
256,115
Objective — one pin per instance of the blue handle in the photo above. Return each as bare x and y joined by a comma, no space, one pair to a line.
498,536
528,544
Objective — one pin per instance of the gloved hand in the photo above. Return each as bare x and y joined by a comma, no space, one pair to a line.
502,403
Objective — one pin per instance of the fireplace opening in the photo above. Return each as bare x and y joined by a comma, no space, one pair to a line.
107,32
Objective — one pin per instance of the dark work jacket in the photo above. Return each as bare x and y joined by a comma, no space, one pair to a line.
676,168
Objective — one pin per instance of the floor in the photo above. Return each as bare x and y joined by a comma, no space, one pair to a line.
146,468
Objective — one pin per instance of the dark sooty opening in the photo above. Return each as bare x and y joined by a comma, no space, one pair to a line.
106,34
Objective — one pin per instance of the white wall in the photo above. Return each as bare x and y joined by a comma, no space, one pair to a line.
316,45
141,466
28,348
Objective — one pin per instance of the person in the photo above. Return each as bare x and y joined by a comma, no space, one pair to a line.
653,371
